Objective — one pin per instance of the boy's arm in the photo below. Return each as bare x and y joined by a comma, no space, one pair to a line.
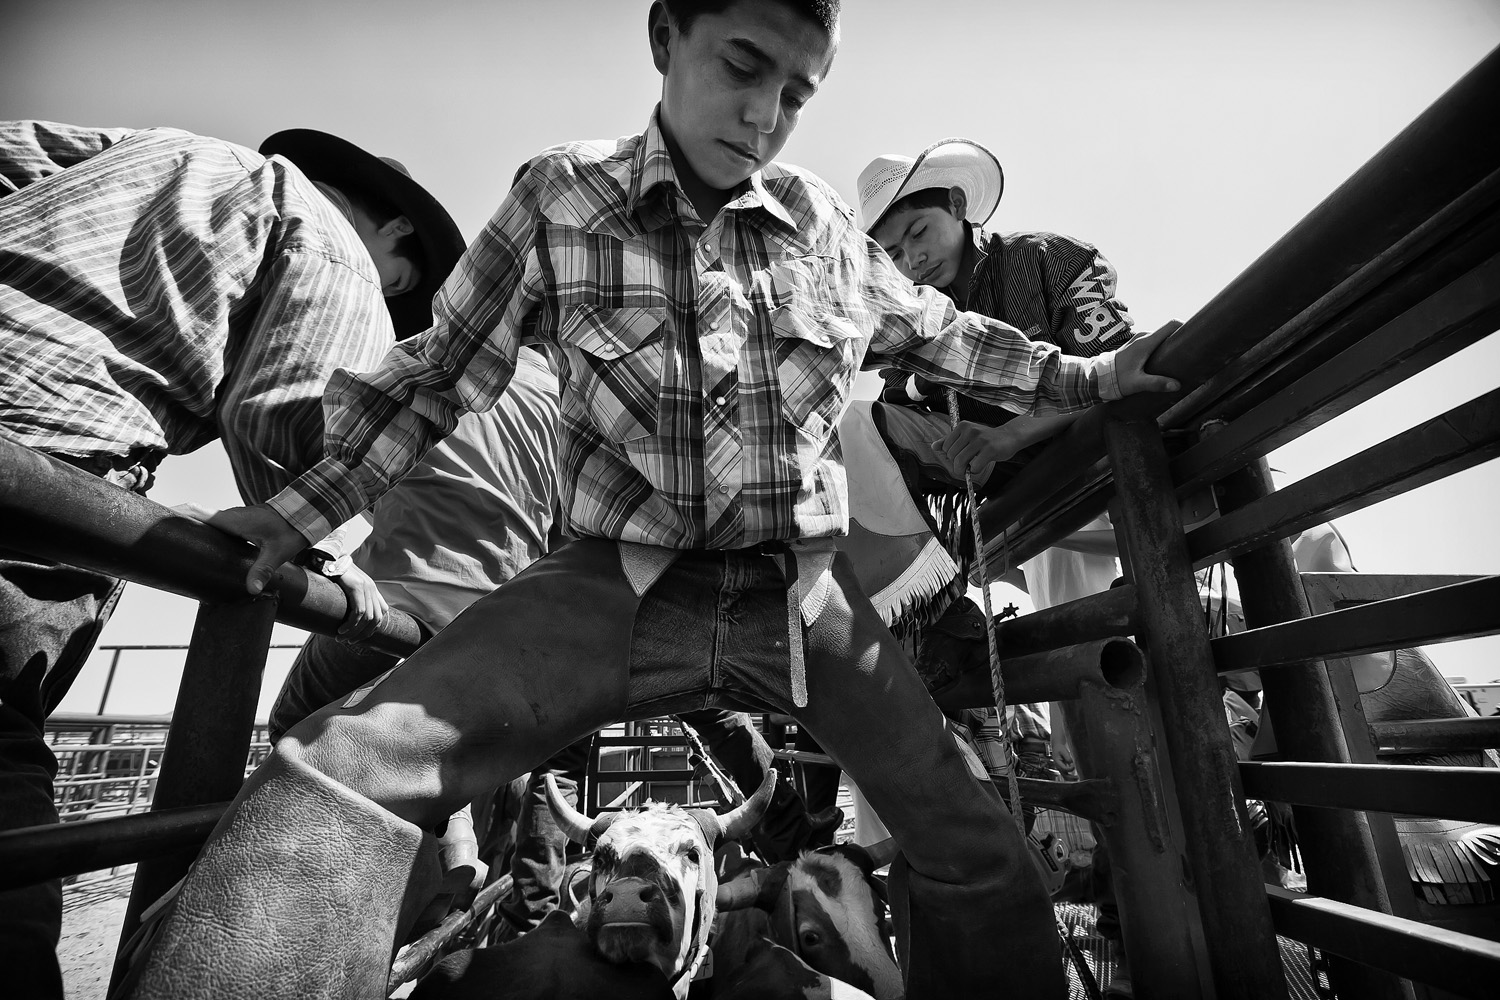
317,315
381,423
32,150
919,329
1086,314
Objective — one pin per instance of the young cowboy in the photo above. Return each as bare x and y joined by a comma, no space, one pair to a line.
711,308
926,212
159,290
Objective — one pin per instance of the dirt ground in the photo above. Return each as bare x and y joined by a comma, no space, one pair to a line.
93,910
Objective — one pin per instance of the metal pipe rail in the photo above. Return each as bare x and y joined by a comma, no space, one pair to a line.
35,854
1357,297
52,510
1467,793
1429,183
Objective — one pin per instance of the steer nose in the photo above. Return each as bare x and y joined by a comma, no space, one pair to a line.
629,891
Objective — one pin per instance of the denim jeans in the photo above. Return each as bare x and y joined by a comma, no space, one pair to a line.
784,830
325,670
567,647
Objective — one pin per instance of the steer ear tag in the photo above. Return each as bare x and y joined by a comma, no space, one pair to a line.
705,968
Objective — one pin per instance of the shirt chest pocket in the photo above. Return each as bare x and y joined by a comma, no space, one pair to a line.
614,365
818,355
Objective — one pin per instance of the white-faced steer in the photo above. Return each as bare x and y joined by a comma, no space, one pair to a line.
652,894
827,908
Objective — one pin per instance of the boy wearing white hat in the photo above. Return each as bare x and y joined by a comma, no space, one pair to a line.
926,213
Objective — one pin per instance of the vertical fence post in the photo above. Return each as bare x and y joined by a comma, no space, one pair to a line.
1336,844
1220,847
204,760
109,680
1159,919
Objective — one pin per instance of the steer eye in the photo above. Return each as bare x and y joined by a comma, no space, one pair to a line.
811,939
692,855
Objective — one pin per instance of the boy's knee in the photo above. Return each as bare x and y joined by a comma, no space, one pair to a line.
387,756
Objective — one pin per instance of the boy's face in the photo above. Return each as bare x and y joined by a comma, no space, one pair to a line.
925,244
735,84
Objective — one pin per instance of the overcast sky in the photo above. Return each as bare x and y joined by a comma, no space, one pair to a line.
1182,137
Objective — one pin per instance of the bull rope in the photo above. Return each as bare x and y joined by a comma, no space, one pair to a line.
997,680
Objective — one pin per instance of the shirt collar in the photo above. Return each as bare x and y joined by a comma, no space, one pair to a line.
653,179
651,169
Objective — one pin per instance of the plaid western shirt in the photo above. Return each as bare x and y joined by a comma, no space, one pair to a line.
1054,288
160,289
703,367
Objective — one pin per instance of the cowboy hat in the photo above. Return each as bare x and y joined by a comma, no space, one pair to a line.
961,163
335,161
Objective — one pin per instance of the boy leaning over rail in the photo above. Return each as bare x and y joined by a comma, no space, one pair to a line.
160,290
710,308
926,212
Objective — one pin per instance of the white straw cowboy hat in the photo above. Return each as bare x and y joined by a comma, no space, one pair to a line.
327,158
961,163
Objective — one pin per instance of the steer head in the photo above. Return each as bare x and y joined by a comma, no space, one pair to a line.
653,891
829,909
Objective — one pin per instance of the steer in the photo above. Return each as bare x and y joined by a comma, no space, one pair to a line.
652,892
826,908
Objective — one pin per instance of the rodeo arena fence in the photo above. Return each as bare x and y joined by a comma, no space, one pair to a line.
1396,270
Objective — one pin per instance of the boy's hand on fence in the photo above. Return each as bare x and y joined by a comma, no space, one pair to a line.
1130,364
974,447
366,605
268,531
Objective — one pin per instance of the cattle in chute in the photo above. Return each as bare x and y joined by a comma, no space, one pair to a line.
826,909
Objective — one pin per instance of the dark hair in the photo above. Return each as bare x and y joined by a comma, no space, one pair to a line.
823,13
381,211
934,197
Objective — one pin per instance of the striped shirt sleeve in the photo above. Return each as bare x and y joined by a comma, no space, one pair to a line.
381,423
320,317
33,150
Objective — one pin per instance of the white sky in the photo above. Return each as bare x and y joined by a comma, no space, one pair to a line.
1182,137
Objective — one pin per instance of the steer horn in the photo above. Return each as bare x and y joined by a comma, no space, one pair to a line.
747,890
742,818
578,827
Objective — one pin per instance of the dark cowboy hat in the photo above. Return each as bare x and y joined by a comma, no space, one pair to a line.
335,161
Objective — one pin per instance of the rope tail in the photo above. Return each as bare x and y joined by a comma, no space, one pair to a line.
997,680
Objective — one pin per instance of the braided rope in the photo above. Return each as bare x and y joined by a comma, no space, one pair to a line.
997,680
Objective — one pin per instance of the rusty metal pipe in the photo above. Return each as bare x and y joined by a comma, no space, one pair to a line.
1338,845
1446,153
1220,848
1098,616
1053,675
38,853
50,510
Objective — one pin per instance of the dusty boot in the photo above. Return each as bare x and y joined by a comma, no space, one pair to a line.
298,893
463,872
952,649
